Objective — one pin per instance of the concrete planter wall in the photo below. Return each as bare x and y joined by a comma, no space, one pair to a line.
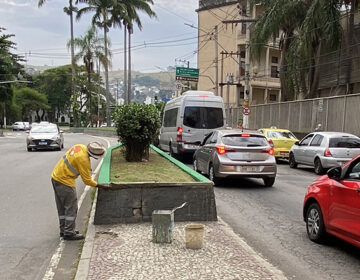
135,202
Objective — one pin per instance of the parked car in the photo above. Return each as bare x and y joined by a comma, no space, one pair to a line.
324,150
234,154
280,139
187,119
27,125
18,126
45,136
332,204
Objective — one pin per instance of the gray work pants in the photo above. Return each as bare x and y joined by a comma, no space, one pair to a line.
66,203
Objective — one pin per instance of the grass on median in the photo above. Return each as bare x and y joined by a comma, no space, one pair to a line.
157,169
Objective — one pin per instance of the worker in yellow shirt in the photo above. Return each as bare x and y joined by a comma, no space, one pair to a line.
75,162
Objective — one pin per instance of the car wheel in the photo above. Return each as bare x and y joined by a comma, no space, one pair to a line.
171,151
29,149
269,181
318,167
292,161
195,165
212,176
315,223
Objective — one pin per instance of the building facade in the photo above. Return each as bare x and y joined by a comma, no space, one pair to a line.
222,27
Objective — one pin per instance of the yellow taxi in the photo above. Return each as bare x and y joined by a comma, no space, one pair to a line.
280,139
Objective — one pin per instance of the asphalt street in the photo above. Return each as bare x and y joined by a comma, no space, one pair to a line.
270,220
29,234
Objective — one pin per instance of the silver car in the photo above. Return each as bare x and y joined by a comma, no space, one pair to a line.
324,150
234,154
18,126
45,136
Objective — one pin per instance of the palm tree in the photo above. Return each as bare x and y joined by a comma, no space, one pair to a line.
69,11
102,19
126,13
307,27
91,47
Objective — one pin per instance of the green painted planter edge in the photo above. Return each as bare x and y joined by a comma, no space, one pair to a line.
104,174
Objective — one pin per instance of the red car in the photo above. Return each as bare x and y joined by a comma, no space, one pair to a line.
332,204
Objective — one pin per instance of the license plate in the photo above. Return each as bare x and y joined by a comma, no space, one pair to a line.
246,168
284,153
42,143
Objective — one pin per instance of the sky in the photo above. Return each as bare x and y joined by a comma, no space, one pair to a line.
42,34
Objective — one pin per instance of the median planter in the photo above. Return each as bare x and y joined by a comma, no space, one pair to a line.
136,189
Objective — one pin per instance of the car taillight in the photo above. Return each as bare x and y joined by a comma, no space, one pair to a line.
245,135
179,134
222,150
269,151
327,153
271,143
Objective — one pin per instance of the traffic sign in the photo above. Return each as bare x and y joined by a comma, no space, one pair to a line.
187,74
246,111
178,86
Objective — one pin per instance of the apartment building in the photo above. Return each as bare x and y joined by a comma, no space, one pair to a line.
222,53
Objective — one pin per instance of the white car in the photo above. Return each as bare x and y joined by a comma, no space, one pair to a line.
18,126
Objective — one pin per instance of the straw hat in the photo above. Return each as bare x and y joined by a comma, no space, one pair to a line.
96,150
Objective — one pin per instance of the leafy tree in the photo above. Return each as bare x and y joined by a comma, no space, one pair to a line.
136,125
29,100
147,81
9,69
56,84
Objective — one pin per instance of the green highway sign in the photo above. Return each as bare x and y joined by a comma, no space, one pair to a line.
187,74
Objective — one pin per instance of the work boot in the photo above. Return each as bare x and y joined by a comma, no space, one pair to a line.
75,236
62,234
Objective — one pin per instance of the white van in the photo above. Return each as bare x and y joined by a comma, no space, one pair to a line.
188,118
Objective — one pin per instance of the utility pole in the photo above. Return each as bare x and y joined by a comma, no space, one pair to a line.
247,64
216,59
222,75
129,64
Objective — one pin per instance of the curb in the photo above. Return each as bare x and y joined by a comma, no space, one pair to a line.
86,254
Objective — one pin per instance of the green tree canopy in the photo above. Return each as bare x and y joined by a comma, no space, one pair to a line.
136,125
29,100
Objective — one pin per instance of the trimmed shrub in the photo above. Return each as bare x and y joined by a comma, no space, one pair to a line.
136,126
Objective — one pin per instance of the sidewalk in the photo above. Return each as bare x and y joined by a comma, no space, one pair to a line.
125,251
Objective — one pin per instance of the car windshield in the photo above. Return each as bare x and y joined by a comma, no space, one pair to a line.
240,141
344,142
44,129
280,134
203,117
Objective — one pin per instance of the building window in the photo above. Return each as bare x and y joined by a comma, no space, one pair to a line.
241,95
243,28
274,72
274,59
242,68
272,97
242,54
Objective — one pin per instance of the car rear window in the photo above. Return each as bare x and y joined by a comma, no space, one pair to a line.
203,117
248,141
344,142
280,134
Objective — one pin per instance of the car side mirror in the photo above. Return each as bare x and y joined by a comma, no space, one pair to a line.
334,173
297,143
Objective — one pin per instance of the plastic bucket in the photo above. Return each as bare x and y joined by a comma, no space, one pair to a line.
194,236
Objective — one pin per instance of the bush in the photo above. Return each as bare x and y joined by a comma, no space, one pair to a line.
136,126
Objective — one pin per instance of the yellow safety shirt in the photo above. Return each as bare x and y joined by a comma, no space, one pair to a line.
75,162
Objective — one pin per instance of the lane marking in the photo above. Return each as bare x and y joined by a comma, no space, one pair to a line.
55,259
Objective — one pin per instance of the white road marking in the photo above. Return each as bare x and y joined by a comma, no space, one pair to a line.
55,259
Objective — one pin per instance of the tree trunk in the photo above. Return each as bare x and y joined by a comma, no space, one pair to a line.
129,67
349,52
284,94
72,49
315,73
125,67
107,76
